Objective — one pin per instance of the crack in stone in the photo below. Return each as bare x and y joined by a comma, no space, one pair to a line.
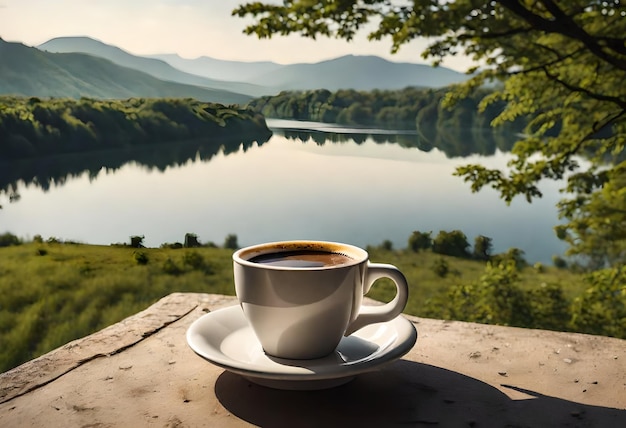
84,361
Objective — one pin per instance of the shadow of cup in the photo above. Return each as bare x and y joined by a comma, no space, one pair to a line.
404,394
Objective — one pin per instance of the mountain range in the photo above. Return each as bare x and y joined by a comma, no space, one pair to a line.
27,71
347,72
152,66
85,67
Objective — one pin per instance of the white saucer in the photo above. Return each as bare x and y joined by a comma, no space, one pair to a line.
225,339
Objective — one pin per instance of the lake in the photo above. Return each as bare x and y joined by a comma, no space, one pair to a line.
343,184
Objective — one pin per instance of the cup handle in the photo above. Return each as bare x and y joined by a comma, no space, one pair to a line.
388,311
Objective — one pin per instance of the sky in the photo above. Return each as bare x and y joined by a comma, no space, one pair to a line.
190,28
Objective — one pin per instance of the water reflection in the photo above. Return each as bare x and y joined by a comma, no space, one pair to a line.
57,170
454,142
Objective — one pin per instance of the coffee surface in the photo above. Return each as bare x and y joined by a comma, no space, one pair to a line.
302,259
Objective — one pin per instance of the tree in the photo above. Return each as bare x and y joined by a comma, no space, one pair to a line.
420,241
191,240
559,63
230,242
387,245
596,228
452,243
136,241
482,247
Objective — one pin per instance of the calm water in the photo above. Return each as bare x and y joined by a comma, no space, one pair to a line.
359,191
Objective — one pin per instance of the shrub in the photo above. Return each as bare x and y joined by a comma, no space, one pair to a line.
452,243
386,245
559,262
601,309
498,298
231,242
140,257
191,240
172,246
494,299
171,268
549,308
193,260
420,241
482,247
514,255
441,267
7,239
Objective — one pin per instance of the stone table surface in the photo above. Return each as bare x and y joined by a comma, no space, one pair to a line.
141,372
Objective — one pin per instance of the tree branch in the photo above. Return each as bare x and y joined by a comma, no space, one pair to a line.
573,88
564,25
547,64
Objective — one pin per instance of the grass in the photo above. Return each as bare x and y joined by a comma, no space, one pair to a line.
52,293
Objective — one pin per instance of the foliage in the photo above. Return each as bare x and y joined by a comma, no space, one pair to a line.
601,309
191,240
38,128
597,227
482,247
498,298
560,63
420,241
549,308
136,241
172,245
453,243
230,242
494,299
559,262
514,255
7,239
194,260
387,245
395,109
441,267
140,257
170,267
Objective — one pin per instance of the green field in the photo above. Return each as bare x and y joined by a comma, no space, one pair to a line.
52,293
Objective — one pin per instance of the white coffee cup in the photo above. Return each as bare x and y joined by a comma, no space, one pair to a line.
302,297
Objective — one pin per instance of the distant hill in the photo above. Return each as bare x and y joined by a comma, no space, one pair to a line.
269,78
153,66
212,68
348,72
28,71
360,73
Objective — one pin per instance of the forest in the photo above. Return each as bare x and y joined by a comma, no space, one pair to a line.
407,109
34,127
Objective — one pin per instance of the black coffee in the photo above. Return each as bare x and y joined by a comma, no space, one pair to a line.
302,259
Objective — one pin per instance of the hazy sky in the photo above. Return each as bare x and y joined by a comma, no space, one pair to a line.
191,28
